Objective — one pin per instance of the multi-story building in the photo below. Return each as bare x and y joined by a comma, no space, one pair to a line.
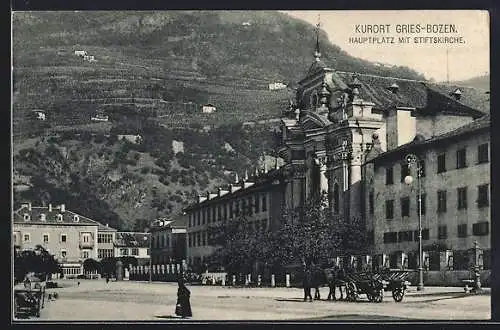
168,240
106,237
454,188
133,244
261,196
69,236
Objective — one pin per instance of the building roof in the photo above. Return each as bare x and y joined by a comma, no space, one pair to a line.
483,123
178,221
263,180
424,96
51,218
132,239
106,227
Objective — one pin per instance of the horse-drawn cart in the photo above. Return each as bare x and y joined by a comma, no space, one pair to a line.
28,302
29,299
364,283
374,285
396,282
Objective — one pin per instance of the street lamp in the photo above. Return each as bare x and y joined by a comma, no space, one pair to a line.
150,256
412,159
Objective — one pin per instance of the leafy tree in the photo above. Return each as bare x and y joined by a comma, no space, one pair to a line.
90,265
38,261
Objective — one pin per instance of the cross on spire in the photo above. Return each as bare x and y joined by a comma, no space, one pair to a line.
317,53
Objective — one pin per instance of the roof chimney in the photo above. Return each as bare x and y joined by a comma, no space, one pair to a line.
107,225
63,208
29,206
50,207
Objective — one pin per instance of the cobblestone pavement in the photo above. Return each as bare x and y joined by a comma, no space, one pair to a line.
94,300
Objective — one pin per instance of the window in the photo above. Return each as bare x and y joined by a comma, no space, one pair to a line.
85,254
462,198
480,228
250,206
124,251
135,252
441,194
391,237
425,234
371,202
461,158
442,232
462,230
483,154
421,165
264,203
225,211
257,204
405,236
86,237
405,171
204,238
59,218
214,213
63,238
43,217
26,238
424,205
483,195
389,176
45,238
389,209
209,215
76,218
405,207
26,217
147,251
336,202
441,163
63,254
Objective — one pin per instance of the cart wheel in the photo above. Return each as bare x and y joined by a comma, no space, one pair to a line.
398,294
370,297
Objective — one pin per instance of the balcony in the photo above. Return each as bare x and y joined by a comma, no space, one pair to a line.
86,245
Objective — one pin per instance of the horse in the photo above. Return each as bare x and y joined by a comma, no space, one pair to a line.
318,279
307,283
335,277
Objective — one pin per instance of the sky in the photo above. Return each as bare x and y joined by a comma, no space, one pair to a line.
441,62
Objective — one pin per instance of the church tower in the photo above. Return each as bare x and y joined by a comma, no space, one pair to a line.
325,137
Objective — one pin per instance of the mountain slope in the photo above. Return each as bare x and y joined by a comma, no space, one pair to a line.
152,72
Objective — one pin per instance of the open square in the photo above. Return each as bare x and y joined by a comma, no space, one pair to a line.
94,300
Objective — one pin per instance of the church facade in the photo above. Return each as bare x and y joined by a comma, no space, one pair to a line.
338,124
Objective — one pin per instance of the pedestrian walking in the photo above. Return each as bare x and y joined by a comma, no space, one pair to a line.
107,279
183,306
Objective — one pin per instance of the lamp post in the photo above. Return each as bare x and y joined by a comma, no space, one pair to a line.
150,256
412,159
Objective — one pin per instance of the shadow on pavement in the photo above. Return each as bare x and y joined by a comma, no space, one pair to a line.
172,317
357,317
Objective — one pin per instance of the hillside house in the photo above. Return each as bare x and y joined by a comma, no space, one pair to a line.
81,53
276,86
89,58
39,114
208,108
136,139
99,117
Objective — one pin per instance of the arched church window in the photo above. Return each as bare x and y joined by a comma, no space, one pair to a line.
336,197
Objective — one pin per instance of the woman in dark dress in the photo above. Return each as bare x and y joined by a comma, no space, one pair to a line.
183,306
